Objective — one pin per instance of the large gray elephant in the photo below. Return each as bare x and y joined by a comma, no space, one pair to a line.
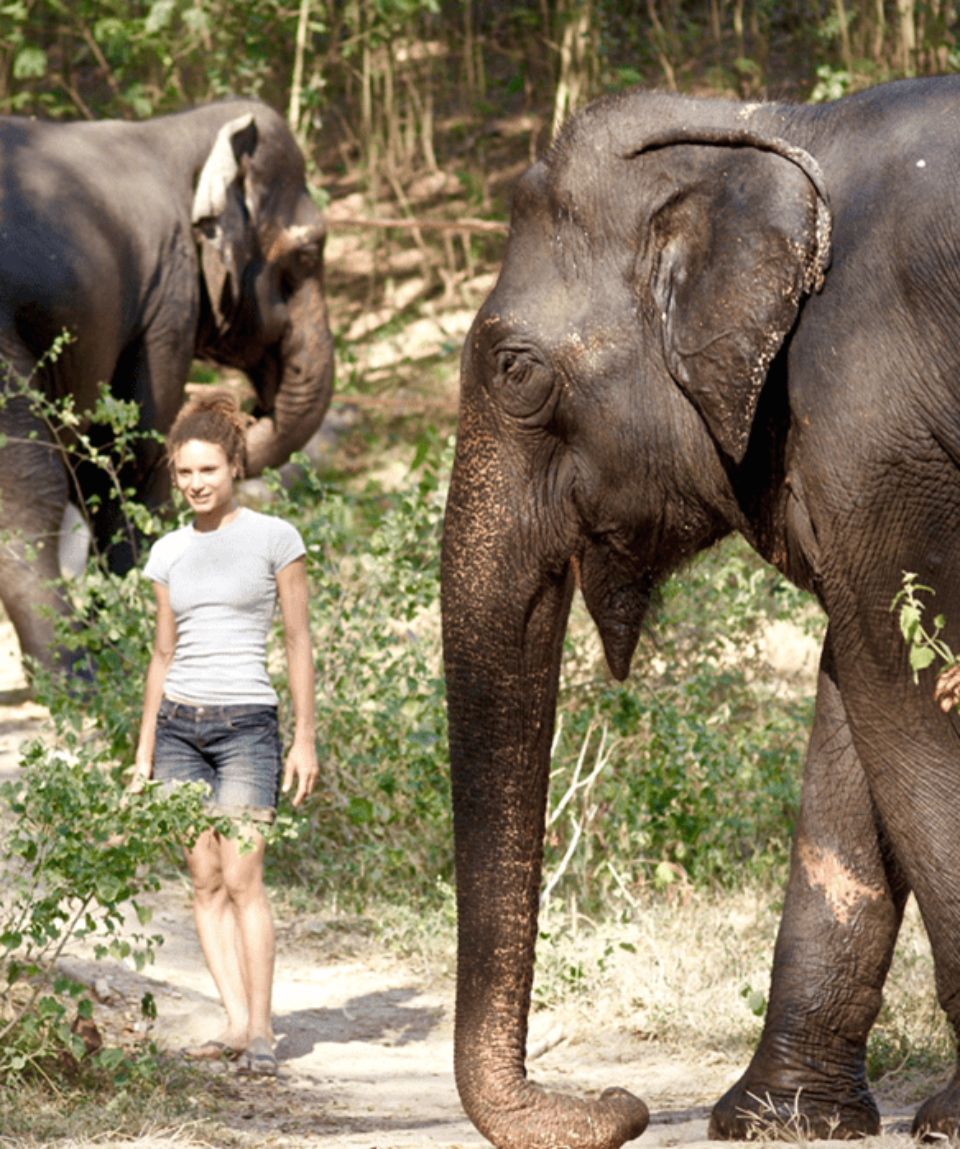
712,317
149,244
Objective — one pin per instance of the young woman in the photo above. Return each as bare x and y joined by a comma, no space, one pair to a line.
210,713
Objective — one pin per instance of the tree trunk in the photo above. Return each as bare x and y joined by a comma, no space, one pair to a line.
296,82
908,36
843,21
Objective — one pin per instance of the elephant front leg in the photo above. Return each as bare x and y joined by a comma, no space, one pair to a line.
841,916
33,497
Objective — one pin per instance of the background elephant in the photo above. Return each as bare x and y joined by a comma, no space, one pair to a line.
152,243
676,349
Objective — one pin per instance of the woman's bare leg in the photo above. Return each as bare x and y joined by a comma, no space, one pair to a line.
242,862
219,936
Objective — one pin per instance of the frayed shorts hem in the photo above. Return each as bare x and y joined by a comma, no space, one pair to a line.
264,814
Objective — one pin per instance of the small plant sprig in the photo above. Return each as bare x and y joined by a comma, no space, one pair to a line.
103,439
925,646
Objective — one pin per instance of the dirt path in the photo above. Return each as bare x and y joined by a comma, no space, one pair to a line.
364,1040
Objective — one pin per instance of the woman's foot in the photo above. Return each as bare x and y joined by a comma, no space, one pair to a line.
216,1049
258,1059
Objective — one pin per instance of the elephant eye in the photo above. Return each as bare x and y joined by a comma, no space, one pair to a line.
525,385
293,270
307,256
298,265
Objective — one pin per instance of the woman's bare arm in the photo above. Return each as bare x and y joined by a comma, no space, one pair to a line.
302,759
164,645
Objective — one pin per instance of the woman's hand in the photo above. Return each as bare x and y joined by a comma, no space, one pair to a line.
302,765
142,773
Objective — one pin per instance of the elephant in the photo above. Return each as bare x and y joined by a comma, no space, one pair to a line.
147,245
716,317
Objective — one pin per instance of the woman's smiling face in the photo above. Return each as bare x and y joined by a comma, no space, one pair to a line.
205,476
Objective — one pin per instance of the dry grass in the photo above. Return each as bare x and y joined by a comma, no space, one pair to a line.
673,971
692,971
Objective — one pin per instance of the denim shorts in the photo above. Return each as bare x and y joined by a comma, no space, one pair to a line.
235,750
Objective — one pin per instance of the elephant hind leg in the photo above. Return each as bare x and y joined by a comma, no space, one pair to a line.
842,913
937,1119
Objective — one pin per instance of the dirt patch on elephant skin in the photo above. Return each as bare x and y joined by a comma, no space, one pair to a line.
841,889
364,1027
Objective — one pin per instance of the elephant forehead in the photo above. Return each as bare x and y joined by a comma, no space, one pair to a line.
548,307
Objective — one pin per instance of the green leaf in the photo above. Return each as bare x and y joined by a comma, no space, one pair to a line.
756,1003
360,811
108,28
160,16
909,620
30,63
921,657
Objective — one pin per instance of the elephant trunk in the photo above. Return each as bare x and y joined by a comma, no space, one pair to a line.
306,384
504,617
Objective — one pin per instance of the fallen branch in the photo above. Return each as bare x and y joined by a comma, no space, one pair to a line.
549,1041
489,225
578,784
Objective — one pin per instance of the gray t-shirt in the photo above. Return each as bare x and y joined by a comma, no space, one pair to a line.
223,593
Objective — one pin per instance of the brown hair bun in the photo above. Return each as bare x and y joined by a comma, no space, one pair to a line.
211,417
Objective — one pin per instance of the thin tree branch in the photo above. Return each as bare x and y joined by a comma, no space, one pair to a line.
487,225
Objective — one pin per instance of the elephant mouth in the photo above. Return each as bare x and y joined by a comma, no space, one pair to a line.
618,598
266,378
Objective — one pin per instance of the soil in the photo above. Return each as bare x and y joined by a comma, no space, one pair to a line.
364,1038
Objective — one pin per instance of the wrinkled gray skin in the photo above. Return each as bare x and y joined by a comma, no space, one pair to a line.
151,243
676,349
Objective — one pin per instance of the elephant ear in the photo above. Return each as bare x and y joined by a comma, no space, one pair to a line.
222,215
743,235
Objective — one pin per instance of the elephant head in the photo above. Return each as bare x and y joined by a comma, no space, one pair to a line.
608,389
151,243
261,242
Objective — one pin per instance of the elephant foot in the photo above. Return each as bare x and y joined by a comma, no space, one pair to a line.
753,1110
939,1117
545,1120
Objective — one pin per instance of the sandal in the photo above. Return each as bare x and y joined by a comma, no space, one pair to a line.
258,1062
212,1050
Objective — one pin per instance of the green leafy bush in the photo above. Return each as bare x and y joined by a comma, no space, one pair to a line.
111,626
380,826
77,854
